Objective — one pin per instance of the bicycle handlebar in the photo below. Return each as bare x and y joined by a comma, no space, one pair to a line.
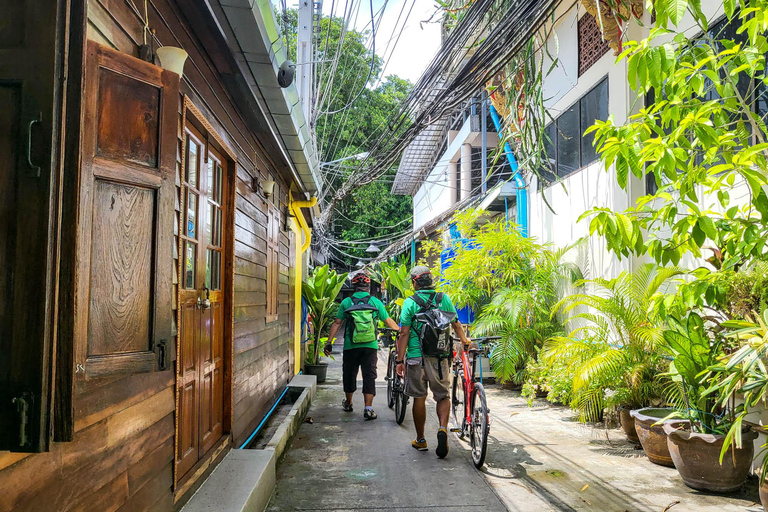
479,339
388,330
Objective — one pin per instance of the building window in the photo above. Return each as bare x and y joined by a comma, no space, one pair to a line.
273,261
567,149
591,44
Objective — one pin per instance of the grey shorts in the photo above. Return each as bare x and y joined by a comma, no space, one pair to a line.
417,377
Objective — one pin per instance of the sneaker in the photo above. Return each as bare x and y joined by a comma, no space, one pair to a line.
369,414
347,406
420,444
442,443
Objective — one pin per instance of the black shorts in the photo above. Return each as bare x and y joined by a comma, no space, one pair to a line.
360,358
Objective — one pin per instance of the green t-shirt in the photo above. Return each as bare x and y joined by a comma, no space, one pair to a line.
383,315
410,308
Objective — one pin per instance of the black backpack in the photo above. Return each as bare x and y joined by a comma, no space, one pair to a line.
434,333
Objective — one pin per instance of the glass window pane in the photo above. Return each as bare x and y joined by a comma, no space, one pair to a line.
191,214
594,106
568,141
213,269
209,179
192,153
209,223
217,228
549,158
219,173
190,260
214,225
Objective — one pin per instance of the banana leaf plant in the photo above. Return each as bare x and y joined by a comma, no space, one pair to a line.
320,290
694,353
398,281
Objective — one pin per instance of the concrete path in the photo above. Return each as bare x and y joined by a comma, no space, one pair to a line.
341,462
539,459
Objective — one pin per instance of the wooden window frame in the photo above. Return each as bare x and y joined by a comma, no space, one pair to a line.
273,262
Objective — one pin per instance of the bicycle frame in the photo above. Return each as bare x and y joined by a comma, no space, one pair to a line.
468,384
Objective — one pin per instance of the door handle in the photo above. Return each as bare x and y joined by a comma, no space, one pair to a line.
206,302
33,170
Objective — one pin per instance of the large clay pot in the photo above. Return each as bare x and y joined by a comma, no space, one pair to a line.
319,370
697,458
764,495
651,436
628,425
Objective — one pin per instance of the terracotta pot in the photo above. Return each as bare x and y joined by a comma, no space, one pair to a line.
697,458
651,436
319,370
764,495
628,425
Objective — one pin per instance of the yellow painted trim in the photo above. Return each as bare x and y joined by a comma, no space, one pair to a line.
299,227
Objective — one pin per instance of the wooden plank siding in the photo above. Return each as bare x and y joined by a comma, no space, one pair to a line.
122,454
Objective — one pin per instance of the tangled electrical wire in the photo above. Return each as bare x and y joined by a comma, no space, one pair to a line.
469,58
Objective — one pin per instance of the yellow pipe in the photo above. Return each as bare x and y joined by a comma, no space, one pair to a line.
299,228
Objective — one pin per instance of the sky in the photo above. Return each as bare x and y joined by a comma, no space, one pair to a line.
418,43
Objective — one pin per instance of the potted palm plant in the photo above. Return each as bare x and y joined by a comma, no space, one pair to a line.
696,446
320,290
614,349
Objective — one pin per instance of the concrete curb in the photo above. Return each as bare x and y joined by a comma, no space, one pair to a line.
245,479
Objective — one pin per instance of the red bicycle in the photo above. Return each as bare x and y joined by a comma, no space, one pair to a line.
468,404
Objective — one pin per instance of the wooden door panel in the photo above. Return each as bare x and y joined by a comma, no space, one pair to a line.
206,383
123,277
188,388
32,74
121,271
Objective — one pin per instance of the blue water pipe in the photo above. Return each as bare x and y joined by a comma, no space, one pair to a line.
264,420
522,192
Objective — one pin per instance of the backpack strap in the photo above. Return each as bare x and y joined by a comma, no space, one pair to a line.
424,304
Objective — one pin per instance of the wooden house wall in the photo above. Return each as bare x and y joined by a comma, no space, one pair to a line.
122,455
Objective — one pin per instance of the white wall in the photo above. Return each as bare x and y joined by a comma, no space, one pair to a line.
433,197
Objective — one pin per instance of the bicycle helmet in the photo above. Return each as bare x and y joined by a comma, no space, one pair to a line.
361,279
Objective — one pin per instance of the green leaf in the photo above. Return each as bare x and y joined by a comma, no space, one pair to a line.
675,9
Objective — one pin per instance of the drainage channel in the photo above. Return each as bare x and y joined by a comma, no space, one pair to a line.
276,418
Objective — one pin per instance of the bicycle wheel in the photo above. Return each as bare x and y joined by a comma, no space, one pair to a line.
479,427
458,400
401,401
391,380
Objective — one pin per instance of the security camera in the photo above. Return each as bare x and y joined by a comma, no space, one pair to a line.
286,73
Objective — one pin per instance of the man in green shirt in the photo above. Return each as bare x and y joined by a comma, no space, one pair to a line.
419,371
361,347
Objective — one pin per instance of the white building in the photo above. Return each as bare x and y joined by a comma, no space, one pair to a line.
441,168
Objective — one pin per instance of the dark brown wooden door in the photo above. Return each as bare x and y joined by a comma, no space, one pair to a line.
31,62
202,292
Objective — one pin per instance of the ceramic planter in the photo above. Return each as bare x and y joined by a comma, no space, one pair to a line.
628,425
652,437
764,495
319,370
697,458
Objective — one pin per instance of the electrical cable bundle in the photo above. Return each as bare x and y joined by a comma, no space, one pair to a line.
470,56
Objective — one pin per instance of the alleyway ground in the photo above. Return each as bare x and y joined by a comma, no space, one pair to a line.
539,459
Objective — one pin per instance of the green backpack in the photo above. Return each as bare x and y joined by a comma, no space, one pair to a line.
363,318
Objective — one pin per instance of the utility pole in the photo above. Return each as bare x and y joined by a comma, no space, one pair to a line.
305,56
